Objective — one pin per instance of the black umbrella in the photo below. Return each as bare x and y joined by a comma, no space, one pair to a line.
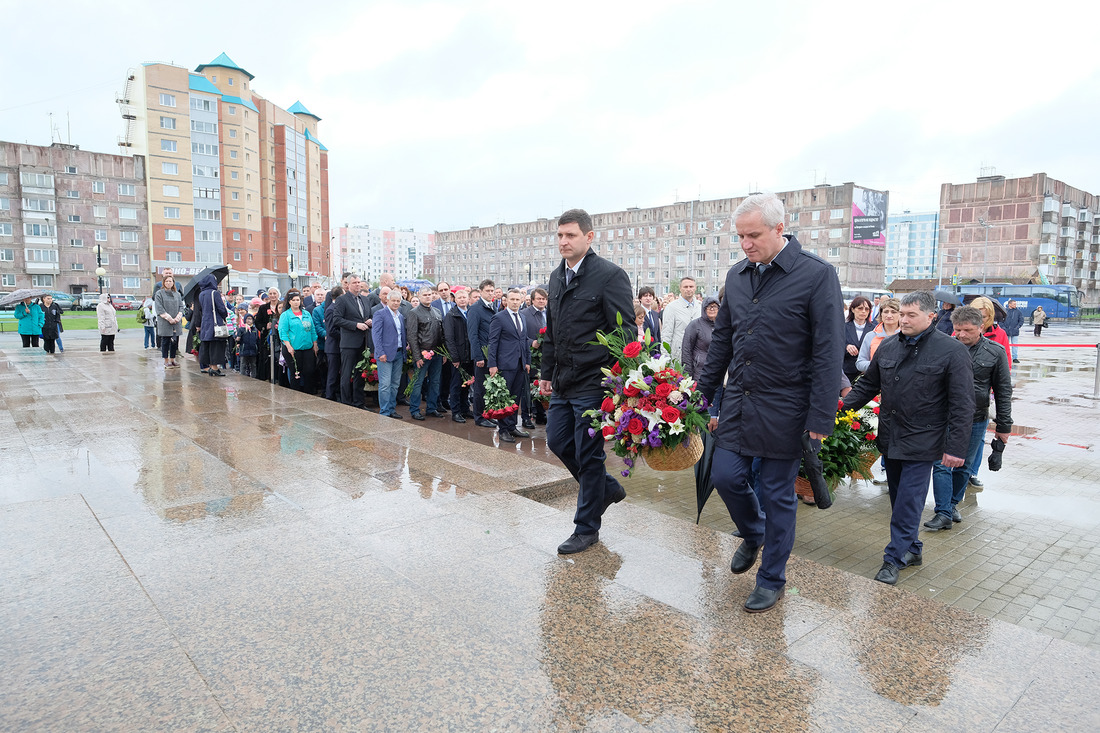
703,485
220,272
812,467
947,296
999,312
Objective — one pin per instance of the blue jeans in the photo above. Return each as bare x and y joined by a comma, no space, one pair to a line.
908,489
949,484
430,372
389,376
1014,340
567,436
150,336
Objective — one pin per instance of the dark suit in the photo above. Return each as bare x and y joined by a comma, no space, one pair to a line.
349,311
332,350
653,323
510,352
448,370
534,320
478,316
457,340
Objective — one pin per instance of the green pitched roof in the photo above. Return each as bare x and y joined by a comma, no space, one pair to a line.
225,62
300,109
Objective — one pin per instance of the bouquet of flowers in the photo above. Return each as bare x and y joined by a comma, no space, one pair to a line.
536,393
427,356
650,408
367,367
464,375
850,450
498,400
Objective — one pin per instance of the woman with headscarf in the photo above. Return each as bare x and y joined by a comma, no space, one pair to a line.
30,317
108,323
299,343
51,323
211,305
168,308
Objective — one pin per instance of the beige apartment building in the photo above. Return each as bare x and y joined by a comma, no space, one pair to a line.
232,177
1036,229
844,224
58,204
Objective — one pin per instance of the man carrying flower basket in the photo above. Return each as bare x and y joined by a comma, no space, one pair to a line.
779,335
510,355
588,294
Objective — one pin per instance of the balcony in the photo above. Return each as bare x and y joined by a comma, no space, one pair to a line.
38,268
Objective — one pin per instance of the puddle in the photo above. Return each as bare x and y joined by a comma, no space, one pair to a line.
1023,430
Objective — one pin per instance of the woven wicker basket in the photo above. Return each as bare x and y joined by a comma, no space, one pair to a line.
863,468
685,455
803,489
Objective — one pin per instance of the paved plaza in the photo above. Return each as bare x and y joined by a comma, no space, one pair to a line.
181,552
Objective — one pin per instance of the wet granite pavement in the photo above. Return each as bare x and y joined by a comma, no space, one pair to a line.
190,553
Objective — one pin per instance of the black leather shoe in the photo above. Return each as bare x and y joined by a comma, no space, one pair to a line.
529,424
395,416
887,574
506,437
578,543
955,516
520,433
458,418
614,498
437,413
417,416
469,415
975,482
912,559
737,533
485,422
762,599
938,522
744,558
540,421
402,401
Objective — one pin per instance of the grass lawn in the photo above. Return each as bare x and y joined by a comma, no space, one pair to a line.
87,321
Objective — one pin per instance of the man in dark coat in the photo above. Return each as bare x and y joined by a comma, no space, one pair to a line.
780,335
648,298
927,409
587,294
332,345
352,316
534,318
444,303
457,340
479,315
1014,321
510,355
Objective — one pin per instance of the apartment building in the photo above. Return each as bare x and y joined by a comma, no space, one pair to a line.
368,251
58,204
844,224
911,246
232,177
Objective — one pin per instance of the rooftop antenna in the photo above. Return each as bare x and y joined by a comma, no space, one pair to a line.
50,115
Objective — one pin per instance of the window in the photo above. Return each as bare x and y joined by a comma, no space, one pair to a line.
168,146
237,238
39,230
7,255
836,214
167,100
236,216
815,216
208,214
37,180
232,110
173,257
204,235
127,236
99,212
127,213
172,235
814,234
99,187
170,169
836,233
76,266
126,189
834,251
232,132
40,255
205,105
230,80
233,175
33,204
167,123
171,212
131,283
70,169
3,179
5,230
234,195
129,259
197,126
72,194
233,154
41,281
76,242
101,235
74,218
5,204
204,149
209,171
171,190
7,281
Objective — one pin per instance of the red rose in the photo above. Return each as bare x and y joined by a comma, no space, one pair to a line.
364,375
608,405
616,369
869,436
635,426
664,390
632,349
670,414
542,330
631,391
875,410
856,425
372,361
839,405
608,430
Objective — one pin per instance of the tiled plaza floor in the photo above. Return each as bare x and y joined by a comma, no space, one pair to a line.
180,552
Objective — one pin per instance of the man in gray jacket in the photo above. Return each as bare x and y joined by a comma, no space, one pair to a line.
425,328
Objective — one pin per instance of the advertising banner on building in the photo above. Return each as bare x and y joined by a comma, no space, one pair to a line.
869,216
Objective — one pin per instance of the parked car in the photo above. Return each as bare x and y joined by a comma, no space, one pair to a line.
88,300
6,307
123,302
67,301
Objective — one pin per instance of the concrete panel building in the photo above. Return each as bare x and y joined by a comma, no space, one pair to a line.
844,224
232,177
911,245
1019,229
57,204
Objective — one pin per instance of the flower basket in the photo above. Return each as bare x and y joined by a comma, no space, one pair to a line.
685,455
803,489
863,467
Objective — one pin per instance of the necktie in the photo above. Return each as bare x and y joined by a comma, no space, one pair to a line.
359,304
542,313
568,276
519,329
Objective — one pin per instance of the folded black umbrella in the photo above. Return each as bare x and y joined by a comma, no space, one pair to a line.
998,447
814,470
703,485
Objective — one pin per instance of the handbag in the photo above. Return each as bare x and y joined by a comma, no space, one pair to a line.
222,331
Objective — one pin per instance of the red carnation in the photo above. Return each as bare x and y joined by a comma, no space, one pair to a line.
670,414
869,436
632,349
875,410
631,391
608,430
664,390
856,425
608,405
616,369
635,426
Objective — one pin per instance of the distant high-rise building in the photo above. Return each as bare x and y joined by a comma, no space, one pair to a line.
232,177
369,252
911,245
844,224
57,205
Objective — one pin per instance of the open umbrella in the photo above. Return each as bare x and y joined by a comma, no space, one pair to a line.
947,296
20,295
999,312
220,272
703,485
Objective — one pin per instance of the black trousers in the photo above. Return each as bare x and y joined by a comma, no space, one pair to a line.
106,343
168,346
445,376
459,397
332,381
351,382
49,344
211,353
517,382
306,362
29,340
478,389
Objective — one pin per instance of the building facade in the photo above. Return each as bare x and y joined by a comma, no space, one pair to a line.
1019,229
232,177
911,245
57,205
368,252
657,246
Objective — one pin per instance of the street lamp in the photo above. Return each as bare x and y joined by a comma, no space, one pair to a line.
290,269
99,271
228,278
985,250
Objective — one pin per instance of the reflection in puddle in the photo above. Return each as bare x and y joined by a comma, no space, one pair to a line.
225,506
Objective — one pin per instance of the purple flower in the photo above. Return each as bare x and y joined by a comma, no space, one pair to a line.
654,440
629,462
625,473
683,404
592,432
649,380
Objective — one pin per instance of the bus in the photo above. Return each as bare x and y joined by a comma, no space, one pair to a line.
869,293
1059,301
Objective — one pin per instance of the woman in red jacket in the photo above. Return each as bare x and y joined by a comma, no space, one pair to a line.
990,329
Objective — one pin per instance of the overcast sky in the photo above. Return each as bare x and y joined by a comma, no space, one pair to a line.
443,115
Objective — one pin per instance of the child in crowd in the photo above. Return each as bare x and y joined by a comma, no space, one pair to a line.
248,341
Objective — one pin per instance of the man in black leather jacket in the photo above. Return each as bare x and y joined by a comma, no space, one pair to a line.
991,374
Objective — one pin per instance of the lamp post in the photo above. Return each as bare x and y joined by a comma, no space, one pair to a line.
229,278
99,271
290,269
985,249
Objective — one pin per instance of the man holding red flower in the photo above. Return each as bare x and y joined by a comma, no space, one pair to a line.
534,318
510,355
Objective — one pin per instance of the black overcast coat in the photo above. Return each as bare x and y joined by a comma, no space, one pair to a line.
782,343
571,360
926,388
